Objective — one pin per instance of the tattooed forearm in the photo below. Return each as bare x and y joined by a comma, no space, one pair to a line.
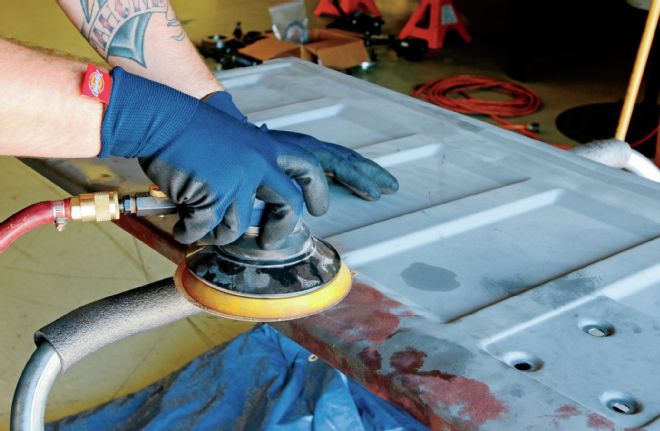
145,38
118,27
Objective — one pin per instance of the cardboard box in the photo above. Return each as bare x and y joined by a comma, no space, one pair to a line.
332,48
271,47
336,48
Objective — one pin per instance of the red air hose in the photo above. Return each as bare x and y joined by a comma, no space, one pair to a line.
453,93
30,218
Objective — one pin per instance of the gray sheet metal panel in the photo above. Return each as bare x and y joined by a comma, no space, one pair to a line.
504,246
482,215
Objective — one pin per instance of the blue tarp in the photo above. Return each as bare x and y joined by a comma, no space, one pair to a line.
261,380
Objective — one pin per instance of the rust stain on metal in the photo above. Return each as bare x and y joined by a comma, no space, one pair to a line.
368,318
475,403
596,421
563,413
372,315
371,358
567,411
593,420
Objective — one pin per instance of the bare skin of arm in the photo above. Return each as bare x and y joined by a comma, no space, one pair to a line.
42,113
144,38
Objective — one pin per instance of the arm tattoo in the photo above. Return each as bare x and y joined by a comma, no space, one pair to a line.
172,21
118,27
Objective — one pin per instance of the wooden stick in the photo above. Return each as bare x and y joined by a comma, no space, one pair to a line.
638,70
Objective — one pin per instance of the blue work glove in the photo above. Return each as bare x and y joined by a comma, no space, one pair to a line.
362,176
210,163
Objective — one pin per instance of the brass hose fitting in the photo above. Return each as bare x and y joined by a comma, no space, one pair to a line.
96,207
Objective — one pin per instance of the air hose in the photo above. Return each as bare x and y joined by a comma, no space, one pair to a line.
32,217
87,207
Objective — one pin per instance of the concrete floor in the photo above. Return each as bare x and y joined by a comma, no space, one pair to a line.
46,274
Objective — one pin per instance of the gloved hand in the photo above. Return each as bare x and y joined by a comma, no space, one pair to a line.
210,163
364,177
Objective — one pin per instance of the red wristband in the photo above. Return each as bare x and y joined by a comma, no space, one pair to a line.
96,84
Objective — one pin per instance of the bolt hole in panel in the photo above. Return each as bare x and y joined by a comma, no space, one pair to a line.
598,372
596,328
620,403
522,361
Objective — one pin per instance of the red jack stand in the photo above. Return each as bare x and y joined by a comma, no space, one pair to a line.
441,16
325,7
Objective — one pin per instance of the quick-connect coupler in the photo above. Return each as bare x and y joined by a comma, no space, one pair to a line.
95,207
108,206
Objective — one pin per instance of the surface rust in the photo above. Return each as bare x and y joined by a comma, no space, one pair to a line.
569,416
597,422
367,320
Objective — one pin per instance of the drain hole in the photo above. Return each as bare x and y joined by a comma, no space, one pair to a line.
596,328
522,361
522,366
620,403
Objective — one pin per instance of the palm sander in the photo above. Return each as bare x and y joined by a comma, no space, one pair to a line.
243,281
303,276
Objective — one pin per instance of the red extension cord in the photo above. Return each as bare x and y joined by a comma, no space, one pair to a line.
453,93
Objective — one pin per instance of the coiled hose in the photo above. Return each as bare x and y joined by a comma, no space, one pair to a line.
453,93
